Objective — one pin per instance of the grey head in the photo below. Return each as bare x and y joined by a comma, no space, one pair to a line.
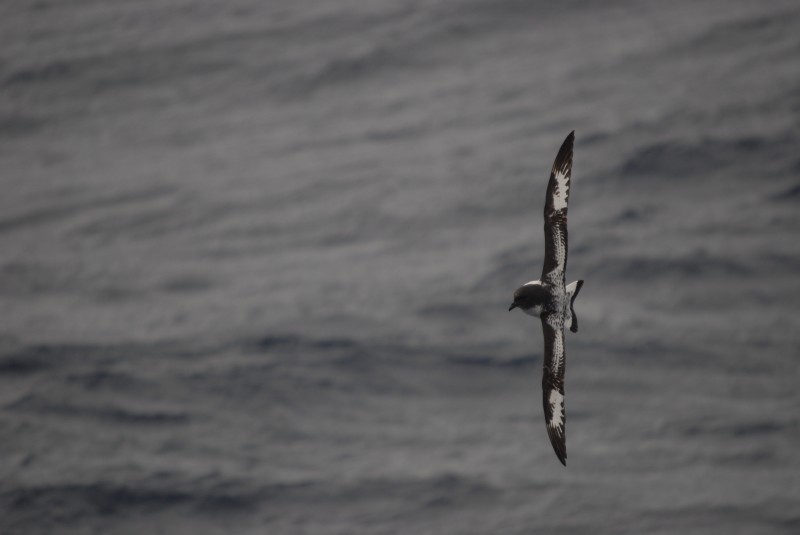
530,298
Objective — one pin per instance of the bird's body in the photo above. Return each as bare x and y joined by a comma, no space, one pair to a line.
539,298
551,299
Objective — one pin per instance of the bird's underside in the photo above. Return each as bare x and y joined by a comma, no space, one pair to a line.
553,276
551,299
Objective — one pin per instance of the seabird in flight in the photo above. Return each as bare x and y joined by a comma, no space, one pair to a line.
551,300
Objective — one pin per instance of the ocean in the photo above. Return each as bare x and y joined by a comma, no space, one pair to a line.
256,260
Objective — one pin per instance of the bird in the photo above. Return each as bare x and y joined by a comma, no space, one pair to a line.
551,300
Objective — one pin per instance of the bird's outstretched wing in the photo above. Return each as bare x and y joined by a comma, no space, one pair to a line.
555,215
555,358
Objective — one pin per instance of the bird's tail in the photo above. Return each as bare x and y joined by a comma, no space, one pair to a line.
572,293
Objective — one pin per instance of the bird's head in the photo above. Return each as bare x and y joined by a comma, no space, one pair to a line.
520,299
527,297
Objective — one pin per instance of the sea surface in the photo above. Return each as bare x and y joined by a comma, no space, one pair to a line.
256,259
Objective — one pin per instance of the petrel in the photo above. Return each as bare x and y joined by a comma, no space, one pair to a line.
551,300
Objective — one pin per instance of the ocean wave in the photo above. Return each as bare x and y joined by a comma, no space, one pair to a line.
346,69
74,501
524,361
115,381
106,412
21,365
679,160
14,125
60,210
300,343
762,30
790,194
428,491
741,429
37,358
52,72
694,266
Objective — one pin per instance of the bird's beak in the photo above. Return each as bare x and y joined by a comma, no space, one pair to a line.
512,307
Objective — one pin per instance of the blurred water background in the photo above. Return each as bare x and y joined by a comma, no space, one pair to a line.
256,257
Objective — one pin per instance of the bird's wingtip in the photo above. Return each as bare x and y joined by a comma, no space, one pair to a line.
561,453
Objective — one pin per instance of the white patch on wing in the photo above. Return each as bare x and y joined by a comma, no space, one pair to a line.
533,282
561,193
556,401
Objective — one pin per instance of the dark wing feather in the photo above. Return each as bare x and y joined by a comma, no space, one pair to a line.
553,384
555,215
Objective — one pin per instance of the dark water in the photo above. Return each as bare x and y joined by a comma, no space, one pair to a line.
255,261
